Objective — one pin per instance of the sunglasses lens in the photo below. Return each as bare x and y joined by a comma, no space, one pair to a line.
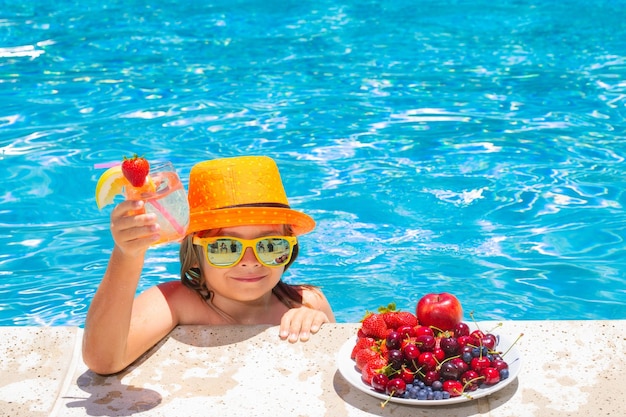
270,251
224,252
273,251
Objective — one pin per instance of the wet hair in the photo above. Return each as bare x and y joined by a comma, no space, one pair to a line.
191,275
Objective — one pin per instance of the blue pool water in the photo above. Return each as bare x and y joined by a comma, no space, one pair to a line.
470,147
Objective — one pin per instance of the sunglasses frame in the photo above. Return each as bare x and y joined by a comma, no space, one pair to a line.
205,242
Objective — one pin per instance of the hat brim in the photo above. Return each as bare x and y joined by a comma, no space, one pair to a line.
246,216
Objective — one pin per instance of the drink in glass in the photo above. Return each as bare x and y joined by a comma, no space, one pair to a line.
165,196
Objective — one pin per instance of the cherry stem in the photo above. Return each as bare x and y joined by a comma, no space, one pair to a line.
516,340
473,319
496,326
445,360
382,405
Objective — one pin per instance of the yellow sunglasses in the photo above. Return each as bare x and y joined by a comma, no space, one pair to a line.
227,251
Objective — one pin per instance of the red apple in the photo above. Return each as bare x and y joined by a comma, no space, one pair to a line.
442,311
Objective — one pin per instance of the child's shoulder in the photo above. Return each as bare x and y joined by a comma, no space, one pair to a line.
176,290
312,295
186,305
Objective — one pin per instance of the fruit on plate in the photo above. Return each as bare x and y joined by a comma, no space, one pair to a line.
115,180
412,360
442,311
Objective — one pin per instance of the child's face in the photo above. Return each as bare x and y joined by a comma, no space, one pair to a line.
249,279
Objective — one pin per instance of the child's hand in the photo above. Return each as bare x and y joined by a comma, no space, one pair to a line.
133,231
300,323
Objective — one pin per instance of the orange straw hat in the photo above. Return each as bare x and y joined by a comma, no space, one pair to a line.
240,191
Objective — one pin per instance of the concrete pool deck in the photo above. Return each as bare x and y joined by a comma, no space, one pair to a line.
569,368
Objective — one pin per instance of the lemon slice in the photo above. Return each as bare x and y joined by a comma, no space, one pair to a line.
110,184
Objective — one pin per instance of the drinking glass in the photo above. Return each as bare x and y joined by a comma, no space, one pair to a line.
166,198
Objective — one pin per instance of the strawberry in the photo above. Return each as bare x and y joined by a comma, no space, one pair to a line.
373,325
373,367
391,319
406,318
363,356
362,343
136,169
389,314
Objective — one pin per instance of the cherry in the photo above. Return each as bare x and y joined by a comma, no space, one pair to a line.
396,387
407,341
492,375
477,335
463,341
461,329
480,362
406,331
426,343
424,330
427,361
461,364
454,388
449,370
407,375
393,340
411,352
499,364
470,380
467,348
449,345
379,382
395,358
439,354
490,341
430,377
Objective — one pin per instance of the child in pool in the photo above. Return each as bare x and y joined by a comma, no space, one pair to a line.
216,288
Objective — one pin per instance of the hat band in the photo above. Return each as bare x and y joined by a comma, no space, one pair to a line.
277,205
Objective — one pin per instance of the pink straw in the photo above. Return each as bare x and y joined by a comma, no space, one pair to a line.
179,229
106,165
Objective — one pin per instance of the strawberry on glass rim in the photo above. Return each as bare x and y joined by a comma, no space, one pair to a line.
130,177
136,170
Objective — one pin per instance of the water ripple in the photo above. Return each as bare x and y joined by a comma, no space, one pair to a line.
451,149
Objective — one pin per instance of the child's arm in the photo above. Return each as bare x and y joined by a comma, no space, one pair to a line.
119,329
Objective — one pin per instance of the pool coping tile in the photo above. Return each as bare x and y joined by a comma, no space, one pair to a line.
569,368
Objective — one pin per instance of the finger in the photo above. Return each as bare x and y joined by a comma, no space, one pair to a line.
319,319
306,322
127,207
290,325
285,324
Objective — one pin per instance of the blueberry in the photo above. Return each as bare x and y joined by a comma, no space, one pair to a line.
422,394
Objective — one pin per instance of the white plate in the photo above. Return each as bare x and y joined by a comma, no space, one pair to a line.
348,369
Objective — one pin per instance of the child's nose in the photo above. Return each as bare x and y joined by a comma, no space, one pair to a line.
249,258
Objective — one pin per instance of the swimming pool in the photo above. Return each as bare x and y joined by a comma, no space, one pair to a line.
470,148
